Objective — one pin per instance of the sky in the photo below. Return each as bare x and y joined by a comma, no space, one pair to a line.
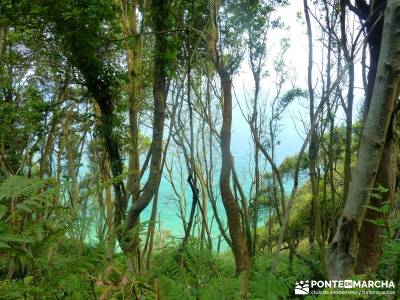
241,146
292,131
296,58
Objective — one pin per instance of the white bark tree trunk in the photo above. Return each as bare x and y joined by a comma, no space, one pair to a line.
343,250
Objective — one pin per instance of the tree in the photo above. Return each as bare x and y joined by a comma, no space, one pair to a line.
236,228
342,254
369,236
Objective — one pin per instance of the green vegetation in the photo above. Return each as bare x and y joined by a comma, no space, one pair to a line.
121,173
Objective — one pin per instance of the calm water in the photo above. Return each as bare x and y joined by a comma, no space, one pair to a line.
242,150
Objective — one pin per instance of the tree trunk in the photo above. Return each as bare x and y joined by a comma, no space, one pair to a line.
106,177
48,149
70,149
315,222
238,235
133,49
160,16
369,235
369,247
342,254
285,220
232,208
369,252
348,108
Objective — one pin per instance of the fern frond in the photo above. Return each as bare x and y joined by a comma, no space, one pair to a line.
4,245
14,238
3,210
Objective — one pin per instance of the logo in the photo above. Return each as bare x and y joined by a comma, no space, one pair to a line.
302,288
344,287
348,284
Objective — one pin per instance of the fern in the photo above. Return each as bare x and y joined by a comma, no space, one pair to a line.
3,211
15,238
265,284
4,245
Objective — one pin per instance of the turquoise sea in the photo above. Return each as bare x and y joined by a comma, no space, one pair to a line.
242,150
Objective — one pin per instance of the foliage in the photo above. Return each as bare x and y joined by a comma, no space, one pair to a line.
194,272
36,260
200,274
71,147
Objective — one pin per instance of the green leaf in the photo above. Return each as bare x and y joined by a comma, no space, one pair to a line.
376,196
382,189
4,245
385,209
3,210
22,206
16,238
378,222
372,207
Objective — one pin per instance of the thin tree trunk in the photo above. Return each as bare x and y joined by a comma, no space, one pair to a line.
133,49
285,221
209,169
48,149
105,174
72,168
148,248
348,107
150,234
205,227
238,235
315,224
